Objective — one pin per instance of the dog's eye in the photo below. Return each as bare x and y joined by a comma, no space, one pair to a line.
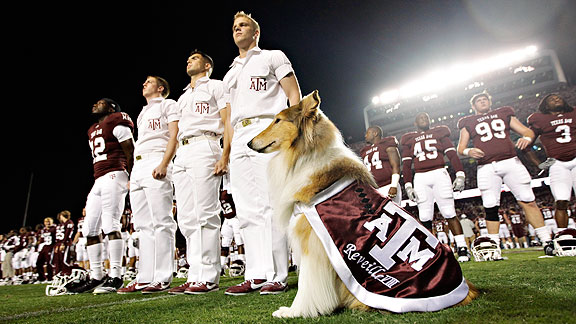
277,121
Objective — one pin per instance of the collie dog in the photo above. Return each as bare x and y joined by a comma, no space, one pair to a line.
311,166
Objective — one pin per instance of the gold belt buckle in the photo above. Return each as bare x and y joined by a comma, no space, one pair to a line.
185,141
246,122
138,157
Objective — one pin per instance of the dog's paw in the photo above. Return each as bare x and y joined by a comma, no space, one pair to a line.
284,312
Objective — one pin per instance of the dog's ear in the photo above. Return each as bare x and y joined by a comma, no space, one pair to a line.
310,104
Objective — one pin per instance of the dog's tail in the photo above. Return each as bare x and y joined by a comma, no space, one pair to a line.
473,293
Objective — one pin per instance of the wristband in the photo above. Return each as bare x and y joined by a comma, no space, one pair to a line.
466,151
395,180
460,174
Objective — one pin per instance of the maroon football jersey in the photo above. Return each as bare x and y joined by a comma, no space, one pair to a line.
64,232
490,132
48,235
106,150
481,222
227,203
427,149
557,133
376,160
515,219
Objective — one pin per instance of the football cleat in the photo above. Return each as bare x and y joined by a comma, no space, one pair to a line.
485,249
110,285
86,286
564,242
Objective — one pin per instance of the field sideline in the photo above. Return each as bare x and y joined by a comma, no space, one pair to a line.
522,289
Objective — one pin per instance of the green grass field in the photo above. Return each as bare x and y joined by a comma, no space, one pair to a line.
522,289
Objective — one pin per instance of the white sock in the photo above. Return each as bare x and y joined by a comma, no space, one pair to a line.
560,229
223,261
543,234
460,240
95,256
495,238
116,251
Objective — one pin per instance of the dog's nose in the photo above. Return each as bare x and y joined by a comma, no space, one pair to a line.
249,144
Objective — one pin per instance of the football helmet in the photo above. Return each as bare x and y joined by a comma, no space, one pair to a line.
565,242
129,275
60,282
485,249
182,272
237,268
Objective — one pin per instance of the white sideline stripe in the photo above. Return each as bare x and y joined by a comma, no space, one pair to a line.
60,310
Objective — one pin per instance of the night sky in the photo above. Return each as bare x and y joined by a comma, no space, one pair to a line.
60,60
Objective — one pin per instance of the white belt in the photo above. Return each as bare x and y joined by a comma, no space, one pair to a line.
206,136
249,121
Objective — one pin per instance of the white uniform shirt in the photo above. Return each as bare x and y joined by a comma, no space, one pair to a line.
253,84
199,108
153,134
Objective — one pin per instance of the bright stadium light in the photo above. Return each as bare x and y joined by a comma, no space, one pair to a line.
457,73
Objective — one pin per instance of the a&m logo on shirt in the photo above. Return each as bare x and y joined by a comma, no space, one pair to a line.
257,83
202,107
154,124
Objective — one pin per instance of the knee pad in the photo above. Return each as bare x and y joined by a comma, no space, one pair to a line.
562,204
492,213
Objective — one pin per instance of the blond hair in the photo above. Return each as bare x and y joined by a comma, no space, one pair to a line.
255,24
249,17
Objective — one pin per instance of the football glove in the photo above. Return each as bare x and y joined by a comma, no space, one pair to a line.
546,164
411,192
459,182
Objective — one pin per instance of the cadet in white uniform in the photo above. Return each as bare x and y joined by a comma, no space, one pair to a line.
260,83
198,166
151,191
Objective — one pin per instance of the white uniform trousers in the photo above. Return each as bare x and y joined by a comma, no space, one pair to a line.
510,171
266,245
198,203
105,204
151,202
563,179
434,186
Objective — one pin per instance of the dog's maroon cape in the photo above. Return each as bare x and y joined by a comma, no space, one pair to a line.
384,256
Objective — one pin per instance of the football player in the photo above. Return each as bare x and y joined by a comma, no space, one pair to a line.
112,147
555,124
549,219
382,159
518,227
151,192
47,239
497,161
60,253
426,149
79,242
